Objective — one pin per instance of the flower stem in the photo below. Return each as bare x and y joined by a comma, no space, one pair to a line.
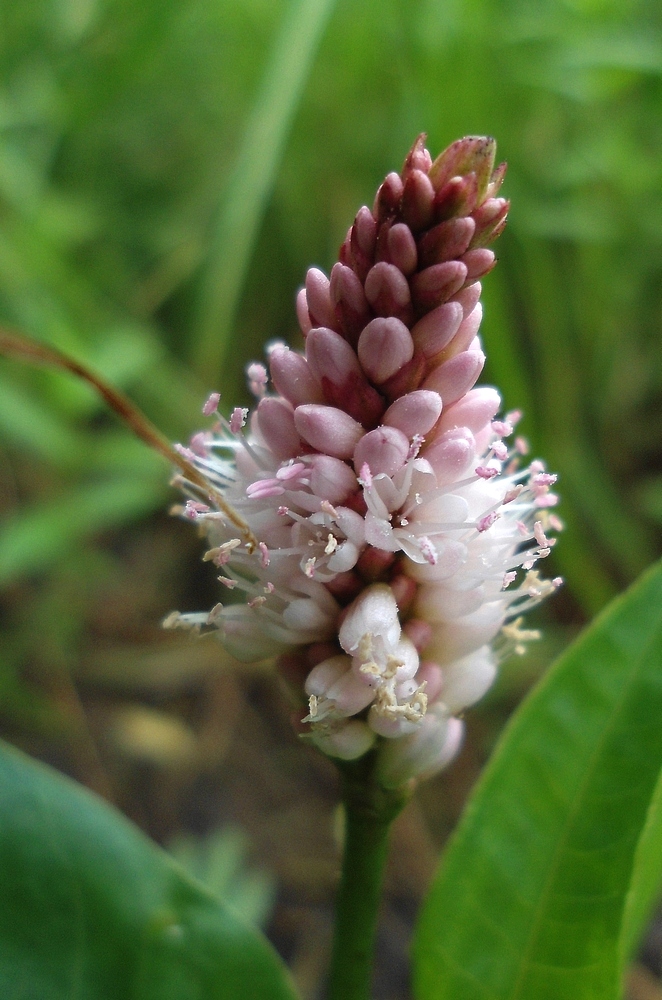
369,811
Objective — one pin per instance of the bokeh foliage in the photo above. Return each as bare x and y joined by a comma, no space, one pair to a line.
126,131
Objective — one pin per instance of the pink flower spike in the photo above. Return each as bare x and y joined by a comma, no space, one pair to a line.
211,405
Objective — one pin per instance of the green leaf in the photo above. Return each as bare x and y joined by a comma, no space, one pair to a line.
92,910
253,177
38,536
529,901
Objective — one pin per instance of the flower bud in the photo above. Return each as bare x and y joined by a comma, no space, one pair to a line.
276,424
456,377
446,241
349,301
415,413
402,249
417,198
436,284
385,345
383,450
329,430
292,377
318,299
437,328
387,291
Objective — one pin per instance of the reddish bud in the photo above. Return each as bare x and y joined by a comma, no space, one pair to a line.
446,241
385,345
275,419
319,298
402,248
292,377
456,198
436,284
437,328
387,201
478,263
349,301
417,199
418,158
387,291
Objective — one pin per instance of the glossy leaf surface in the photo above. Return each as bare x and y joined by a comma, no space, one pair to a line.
93,910
530,899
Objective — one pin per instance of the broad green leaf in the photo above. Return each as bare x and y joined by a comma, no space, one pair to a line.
92,910
529,902
646,882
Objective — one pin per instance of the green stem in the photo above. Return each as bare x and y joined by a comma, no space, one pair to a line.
369,811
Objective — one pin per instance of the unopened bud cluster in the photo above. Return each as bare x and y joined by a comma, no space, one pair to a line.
397,530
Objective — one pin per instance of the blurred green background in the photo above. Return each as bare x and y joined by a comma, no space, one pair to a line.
168,171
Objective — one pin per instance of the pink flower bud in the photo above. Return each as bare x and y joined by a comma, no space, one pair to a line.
437,328
364,232
337,367
455,377
467,331
388,197
436,284
382,450
387,291
418,157
275,418
349,301
474,411
489,217
478,263
350,694
468,296
402,248
417,198
415,413
303,315
292,377
456,198
319,299
331,479
385,345
446,241
329,430
452,454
